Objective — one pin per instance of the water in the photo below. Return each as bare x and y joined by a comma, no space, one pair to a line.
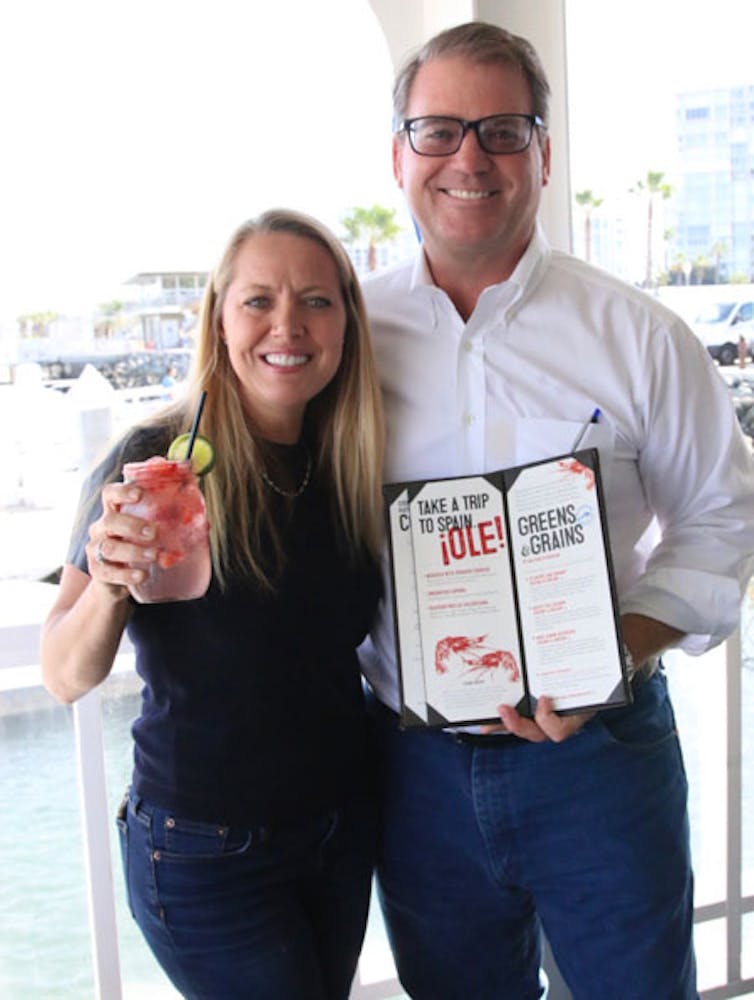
45,942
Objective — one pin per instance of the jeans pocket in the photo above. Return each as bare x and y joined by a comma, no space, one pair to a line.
191,840
121,821
646,725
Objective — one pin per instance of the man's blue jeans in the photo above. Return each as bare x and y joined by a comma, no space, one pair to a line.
481,847
232,913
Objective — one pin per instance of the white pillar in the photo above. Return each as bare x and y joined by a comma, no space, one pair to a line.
543,23
407,24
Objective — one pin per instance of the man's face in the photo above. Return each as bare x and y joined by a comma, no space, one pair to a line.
472,206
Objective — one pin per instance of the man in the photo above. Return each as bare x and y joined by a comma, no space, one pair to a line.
494,350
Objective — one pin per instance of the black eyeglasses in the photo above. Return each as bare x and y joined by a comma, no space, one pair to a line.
441,135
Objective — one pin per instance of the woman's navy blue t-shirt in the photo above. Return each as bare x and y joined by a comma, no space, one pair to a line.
252,707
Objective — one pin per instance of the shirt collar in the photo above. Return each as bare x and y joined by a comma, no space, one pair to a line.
526,274
532,264
421,274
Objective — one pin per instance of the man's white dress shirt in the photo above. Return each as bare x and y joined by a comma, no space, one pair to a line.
518,380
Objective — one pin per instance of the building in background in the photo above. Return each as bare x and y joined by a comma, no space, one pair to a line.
165,306
713,205
703,228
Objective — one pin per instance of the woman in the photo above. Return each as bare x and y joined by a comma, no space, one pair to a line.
247,833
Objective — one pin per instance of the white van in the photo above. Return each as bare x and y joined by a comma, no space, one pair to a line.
719,327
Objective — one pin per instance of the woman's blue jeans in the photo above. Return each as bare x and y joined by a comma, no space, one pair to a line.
233,913
482,846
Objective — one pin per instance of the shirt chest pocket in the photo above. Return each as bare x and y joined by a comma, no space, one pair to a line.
537,439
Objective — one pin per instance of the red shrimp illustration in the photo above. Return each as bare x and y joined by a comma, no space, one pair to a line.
473,655
579,469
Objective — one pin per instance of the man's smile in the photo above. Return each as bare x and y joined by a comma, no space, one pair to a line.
467,194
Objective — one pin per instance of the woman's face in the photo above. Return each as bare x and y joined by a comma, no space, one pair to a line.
283,322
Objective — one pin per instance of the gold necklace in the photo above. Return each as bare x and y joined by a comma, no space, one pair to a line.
291,494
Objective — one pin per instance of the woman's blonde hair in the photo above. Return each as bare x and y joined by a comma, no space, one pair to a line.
343,424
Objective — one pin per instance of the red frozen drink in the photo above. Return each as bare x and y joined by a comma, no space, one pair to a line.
172,500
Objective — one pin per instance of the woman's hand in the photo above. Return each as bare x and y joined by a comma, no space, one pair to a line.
120,546
81,635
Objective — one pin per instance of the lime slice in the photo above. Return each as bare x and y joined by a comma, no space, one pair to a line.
202,454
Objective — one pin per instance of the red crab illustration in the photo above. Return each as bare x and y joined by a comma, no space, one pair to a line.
574,466
473,655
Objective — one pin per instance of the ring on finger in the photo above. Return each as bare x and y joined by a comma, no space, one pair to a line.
99,555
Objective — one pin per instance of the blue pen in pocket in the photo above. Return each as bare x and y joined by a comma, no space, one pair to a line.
593,419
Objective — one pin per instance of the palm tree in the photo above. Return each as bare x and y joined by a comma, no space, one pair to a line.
588,202
680,268
377,224
652,187
37,324
719,251
700,270
668,235
111,318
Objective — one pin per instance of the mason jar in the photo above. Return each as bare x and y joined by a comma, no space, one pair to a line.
172,501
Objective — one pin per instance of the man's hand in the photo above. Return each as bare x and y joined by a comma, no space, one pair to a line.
546,724
644,637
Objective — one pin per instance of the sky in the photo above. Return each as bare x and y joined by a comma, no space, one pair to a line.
139,135
621,98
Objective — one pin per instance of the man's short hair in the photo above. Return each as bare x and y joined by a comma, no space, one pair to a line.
480,43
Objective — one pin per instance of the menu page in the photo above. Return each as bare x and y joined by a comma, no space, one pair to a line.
565,593
503,592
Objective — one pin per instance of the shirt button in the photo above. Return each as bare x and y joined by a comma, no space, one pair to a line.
468,419
467,346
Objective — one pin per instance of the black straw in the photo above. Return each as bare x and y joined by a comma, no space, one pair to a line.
195,425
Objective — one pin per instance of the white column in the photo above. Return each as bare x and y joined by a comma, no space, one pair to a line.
542,22
407,24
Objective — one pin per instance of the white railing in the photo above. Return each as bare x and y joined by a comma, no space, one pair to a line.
95,824
733,908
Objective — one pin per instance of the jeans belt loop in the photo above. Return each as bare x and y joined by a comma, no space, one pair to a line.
645,672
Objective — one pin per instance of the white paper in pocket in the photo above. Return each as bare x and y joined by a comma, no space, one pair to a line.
538,438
